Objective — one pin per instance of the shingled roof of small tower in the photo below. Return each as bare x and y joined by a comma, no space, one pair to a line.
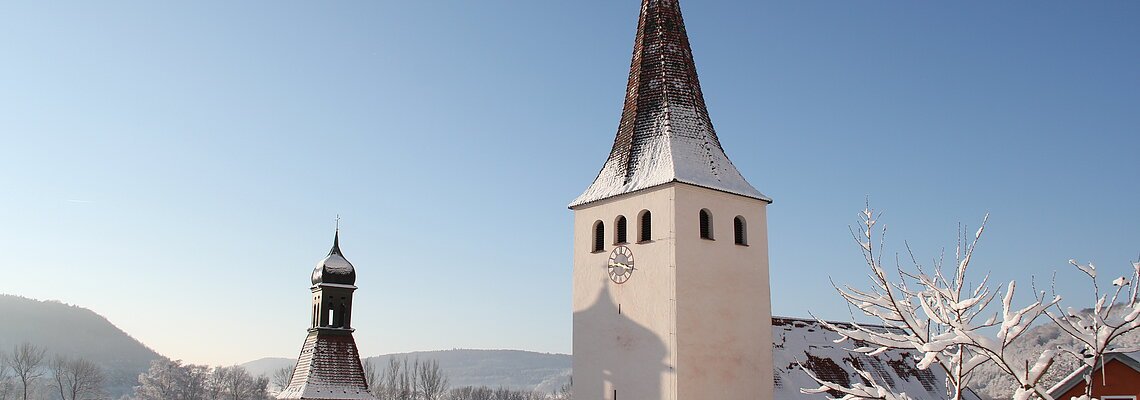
665,134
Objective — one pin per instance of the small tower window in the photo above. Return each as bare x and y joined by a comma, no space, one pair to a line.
619,230
599,236
646,230
739,232
706,224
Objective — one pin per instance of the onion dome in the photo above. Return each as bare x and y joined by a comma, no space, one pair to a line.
334,268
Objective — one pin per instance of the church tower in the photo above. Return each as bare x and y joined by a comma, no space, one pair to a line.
671,296
329,365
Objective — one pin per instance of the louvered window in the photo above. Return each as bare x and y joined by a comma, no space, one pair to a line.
646,226
739,231
706,225
599,236
619,230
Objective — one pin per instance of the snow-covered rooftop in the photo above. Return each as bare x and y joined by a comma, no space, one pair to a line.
801,343
665,134
328,369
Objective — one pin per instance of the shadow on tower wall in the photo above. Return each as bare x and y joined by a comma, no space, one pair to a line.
613,353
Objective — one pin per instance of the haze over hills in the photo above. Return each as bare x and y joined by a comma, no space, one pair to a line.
513,369
79,332
75,331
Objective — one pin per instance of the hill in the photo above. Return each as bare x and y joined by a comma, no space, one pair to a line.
514,369
75,332
991,383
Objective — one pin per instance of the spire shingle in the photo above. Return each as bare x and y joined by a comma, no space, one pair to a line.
665,134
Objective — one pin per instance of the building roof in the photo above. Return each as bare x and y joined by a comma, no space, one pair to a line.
803,343
328,369
334,268
1077,376
665,134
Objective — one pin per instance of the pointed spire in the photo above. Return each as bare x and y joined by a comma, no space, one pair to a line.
336,239
336,244
665,134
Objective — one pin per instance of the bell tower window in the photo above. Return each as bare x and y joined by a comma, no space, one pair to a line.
706,224
599,236
619,230
740,233
646,229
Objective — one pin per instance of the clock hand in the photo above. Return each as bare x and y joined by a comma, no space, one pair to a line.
623,266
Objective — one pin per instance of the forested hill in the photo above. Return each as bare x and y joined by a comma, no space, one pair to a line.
75,332
991,383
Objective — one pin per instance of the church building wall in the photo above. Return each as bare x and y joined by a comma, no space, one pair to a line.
724,313
622,337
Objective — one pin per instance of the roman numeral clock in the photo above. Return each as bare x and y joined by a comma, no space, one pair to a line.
621,264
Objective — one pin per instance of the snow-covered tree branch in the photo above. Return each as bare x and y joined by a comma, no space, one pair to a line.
1110,318
933,310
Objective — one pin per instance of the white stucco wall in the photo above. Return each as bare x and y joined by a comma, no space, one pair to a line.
724,312
695,316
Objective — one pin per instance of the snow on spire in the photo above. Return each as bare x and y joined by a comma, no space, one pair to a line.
665,134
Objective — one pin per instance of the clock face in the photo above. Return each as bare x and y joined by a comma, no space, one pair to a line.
621,264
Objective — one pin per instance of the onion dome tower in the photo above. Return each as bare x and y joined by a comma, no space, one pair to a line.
671,293
329,365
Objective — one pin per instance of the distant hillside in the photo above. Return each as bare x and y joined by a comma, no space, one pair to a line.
991,383
508,368
76,332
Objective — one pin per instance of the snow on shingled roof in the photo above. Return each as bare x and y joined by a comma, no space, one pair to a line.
808,344
328,369
665,134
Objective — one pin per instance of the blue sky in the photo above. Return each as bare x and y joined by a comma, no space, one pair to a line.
177,167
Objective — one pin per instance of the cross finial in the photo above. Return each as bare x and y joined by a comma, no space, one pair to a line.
336,237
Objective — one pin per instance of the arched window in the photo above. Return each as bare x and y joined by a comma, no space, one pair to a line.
619,230
739,231
646,230
599,236
706,224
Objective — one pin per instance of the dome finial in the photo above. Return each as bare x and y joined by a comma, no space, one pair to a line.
336,238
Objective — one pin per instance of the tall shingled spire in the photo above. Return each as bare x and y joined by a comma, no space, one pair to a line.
665,134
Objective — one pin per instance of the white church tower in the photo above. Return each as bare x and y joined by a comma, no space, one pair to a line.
671,296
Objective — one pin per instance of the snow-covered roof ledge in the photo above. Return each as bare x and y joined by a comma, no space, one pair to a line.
665,134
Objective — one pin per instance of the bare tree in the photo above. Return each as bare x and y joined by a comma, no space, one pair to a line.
77,379
432,381
215,384
1108,320
500,393
26,362
397,384
281,377
940,316
7,388
172,380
